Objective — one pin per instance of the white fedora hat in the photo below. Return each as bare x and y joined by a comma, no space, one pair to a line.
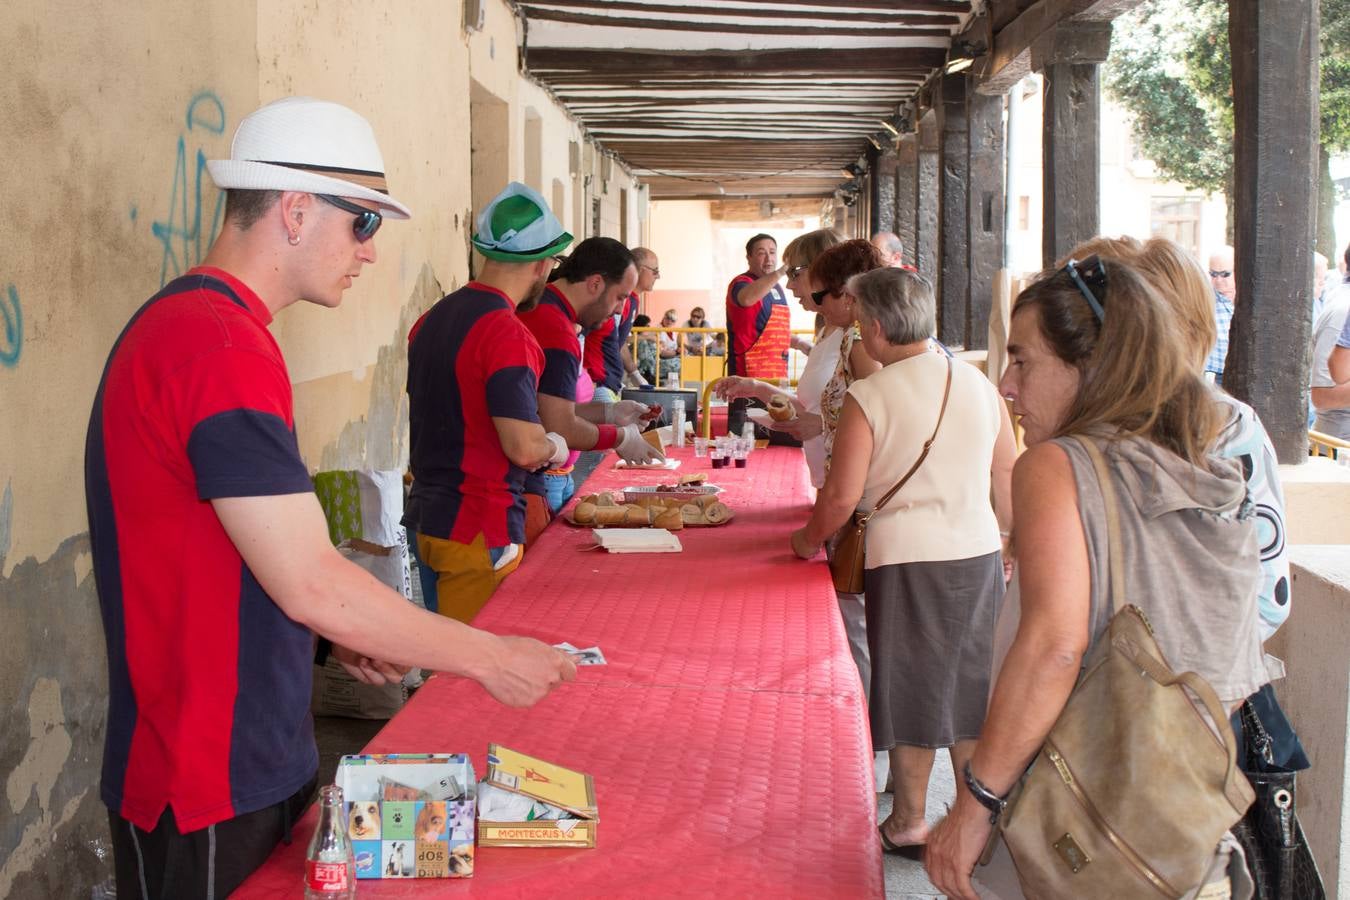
303,144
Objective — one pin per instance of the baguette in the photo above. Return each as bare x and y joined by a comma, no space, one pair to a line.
584,512
669,518
610,515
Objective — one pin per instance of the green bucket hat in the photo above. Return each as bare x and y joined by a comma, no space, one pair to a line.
518,226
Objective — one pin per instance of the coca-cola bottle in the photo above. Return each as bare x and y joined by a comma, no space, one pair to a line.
330,867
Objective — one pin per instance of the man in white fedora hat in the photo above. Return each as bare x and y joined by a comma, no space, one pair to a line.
211,553
473,374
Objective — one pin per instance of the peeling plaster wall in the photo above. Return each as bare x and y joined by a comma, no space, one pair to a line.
105,199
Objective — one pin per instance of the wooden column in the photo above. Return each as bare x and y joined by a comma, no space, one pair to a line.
1071,146
953,298
883,176
906,193
1275,107
985,217
926,218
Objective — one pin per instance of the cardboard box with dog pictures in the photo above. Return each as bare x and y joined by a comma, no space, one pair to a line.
410,815
547,783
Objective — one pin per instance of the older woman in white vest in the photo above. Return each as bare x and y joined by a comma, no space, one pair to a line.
934,566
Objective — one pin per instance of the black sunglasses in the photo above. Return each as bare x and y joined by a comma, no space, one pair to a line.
1220,273
1087,275
367,220
819,296
794,271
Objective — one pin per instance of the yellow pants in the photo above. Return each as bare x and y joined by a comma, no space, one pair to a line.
465,577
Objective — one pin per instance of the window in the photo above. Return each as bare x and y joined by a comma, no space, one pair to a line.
1178,219
1023,213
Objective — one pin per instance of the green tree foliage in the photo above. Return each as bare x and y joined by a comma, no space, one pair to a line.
1171,68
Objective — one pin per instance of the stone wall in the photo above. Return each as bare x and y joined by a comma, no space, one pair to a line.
108,123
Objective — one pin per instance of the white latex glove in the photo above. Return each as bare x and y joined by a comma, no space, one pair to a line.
637,379
625,412
634,449
560,451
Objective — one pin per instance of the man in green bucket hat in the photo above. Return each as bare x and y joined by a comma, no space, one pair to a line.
473,377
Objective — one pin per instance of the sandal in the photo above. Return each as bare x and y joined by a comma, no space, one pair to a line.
908,851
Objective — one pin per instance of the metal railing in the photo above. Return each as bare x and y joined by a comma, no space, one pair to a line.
710,365
1322,444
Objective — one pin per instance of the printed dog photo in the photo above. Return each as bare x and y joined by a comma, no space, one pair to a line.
431,822
398,860
461,821
363,820
461,860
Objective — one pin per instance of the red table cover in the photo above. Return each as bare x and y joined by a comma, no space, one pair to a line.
727,735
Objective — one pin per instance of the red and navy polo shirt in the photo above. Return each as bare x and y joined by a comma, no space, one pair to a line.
553,323
209,681
604,345
746,323
470,359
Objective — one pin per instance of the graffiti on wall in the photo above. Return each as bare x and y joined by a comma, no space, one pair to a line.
187,230
11,337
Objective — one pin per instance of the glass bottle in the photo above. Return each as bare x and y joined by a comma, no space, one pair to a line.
330,866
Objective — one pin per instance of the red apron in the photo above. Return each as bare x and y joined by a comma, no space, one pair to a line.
767,357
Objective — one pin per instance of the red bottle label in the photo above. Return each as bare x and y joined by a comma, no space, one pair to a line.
325,876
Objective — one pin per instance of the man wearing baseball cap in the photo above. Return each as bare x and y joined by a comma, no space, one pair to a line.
211,553
473,377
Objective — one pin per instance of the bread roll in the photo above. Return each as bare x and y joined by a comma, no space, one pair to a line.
781,408
605,498
706,500
717,513
637,516
584,512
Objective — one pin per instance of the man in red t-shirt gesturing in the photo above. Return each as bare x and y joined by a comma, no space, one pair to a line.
758,321
211,553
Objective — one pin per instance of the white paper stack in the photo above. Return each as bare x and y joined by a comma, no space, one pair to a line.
637,540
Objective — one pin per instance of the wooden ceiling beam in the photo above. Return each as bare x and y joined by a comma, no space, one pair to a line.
903,16
596,62
539,14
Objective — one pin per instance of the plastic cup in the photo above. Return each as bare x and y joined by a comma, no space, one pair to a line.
701,447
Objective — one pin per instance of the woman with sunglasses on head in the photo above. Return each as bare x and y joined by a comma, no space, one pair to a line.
1096,356
922,445
820,363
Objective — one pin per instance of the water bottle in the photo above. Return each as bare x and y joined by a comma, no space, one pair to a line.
330,866
677,422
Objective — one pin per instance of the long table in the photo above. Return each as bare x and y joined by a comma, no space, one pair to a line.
727,735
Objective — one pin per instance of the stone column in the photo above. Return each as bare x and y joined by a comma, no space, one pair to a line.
1069,58
1275,108
926,188
884,177
906,193
953,298
985,219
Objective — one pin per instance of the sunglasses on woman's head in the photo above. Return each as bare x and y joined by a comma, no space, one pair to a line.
1089,276
794,271
367,222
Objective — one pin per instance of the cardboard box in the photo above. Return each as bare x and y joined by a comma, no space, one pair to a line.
402,817
546,782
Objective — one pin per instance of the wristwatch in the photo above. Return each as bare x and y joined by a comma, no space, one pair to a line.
988,799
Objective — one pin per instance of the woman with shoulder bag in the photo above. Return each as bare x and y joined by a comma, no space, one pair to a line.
1137,560
931,438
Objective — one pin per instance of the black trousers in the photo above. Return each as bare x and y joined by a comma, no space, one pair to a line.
206,864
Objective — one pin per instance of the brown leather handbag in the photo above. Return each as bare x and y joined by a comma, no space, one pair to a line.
1133,789
850,544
